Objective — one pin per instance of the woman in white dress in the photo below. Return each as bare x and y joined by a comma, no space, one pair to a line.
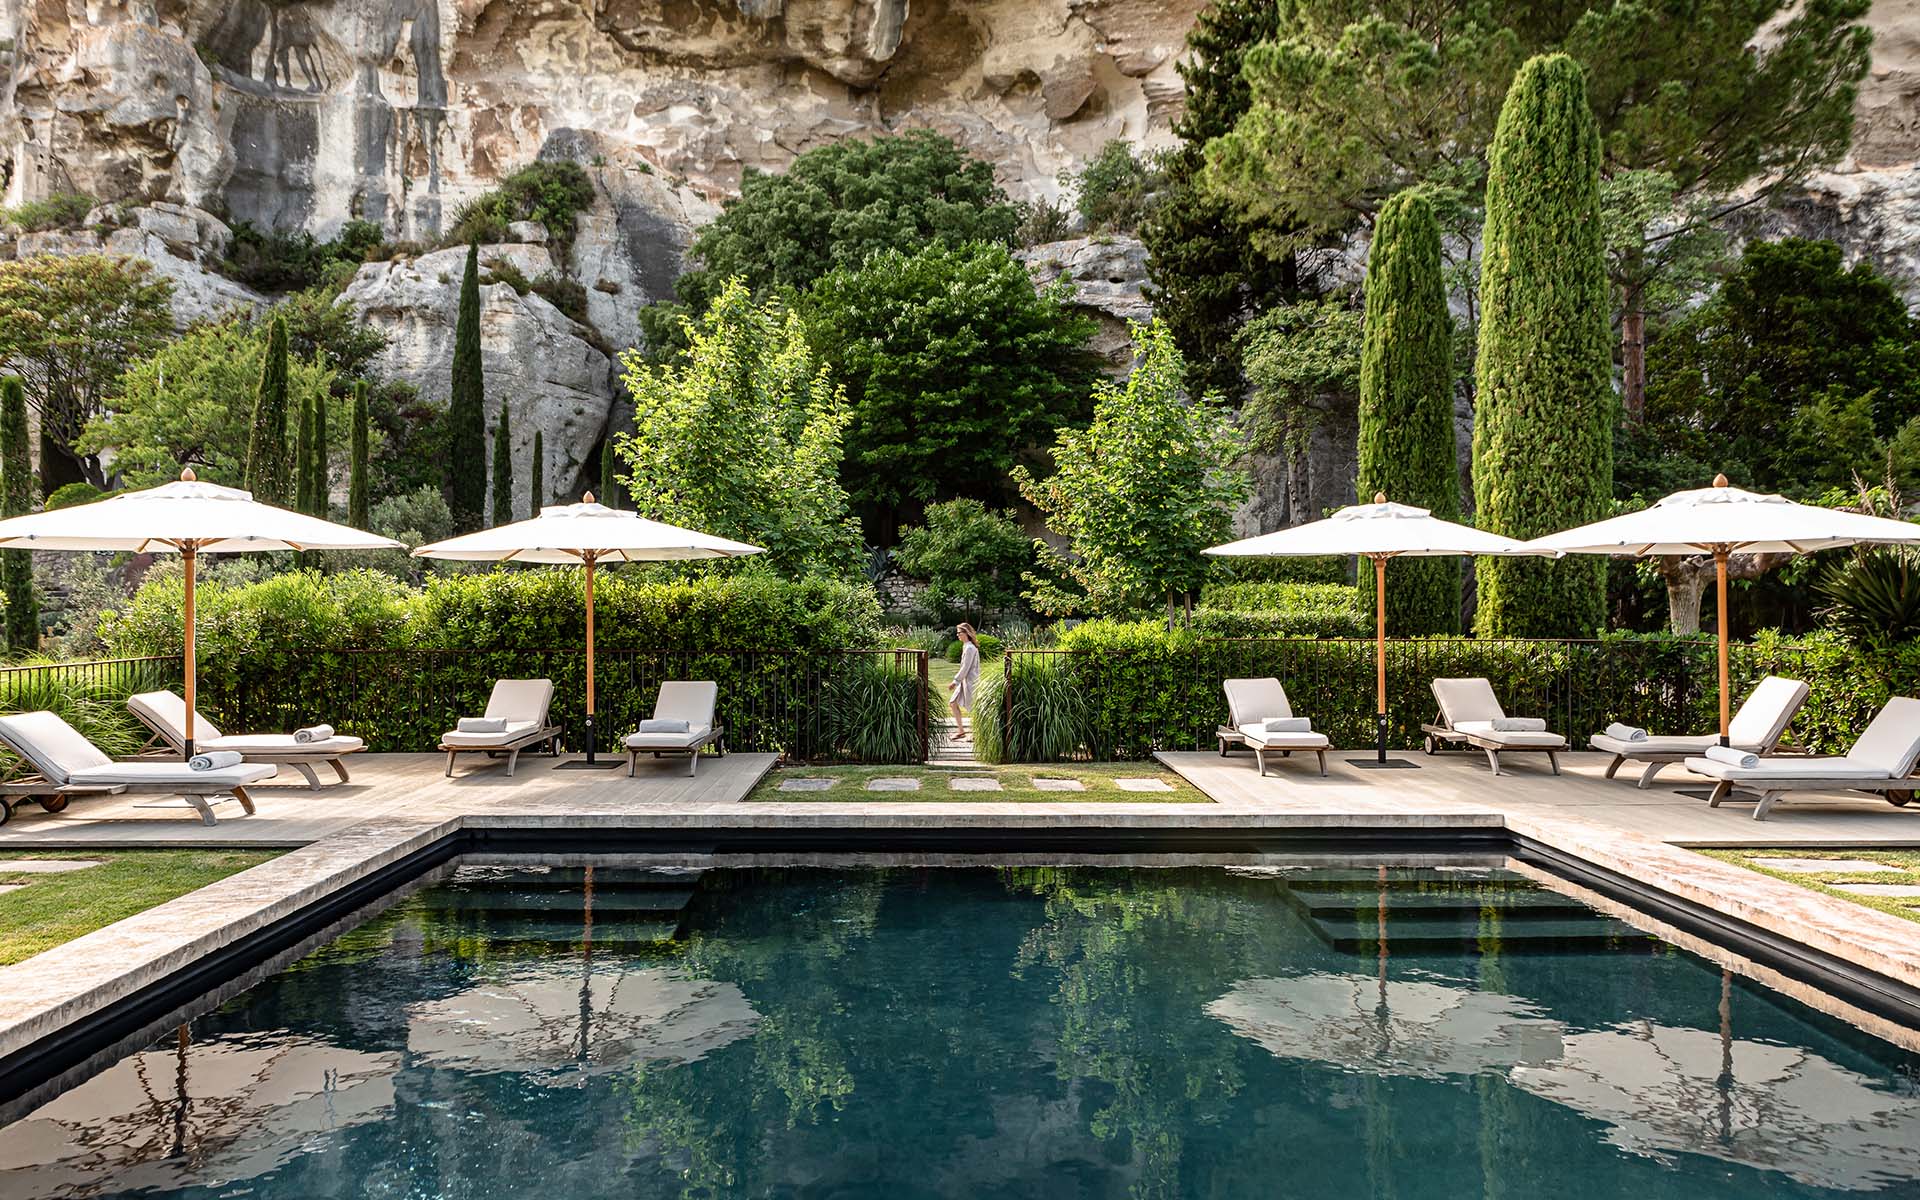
960,693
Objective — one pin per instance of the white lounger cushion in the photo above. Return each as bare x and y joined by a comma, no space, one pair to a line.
65,757
1786,769
694,736
1470,707
524,704
167,712
689,700
1757,725
1485,731
1885,752
174,774
514,732
1258,735
1657,745
1255,701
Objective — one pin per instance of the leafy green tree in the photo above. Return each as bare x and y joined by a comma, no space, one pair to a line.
357,508
268,462
503,470
537,485
1208,274
1406,407
836,206
1543,433
68,327
741,437
972,558
1302,363
1351,103
466,487
16,499
1140,492
1117,189
952,363
1796,375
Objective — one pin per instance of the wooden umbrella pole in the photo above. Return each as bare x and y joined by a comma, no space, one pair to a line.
189,552
1720,573
590,746
1380,652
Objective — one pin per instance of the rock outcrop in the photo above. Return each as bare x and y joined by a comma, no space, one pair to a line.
1109,279
183,244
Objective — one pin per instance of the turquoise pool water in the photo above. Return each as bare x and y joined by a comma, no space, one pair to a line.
1049,1032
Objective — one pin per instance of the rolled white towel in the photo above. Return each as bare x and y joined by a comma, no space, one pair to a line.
313,733
663,725
215,760
1626,733
482,725
1733,757
1288,725
1519,725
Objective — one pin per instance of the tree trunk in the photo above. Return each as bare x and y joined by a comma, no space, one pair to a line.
1688,578
1633,354
1684,590
58,466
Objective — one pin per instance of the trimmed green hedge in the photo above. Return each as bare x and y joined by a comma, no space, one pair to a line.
1279,609
1140,688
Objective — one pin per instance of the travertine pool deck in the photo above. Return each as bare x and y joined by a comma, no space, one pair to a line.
401,804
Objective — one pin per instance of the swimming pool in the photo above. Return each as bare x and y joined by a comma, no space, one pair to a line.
1061,1032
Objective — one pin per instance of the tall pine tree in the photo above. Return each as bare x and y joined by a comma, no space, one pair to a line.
1406,407
16,499
268,458
317,455
357,507
537,486
303,458
1542,436
502,470
466,408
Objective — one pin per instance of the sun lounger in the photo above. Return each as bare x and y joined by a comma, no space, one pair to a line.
1469,713
521,706
1251,703
165,713
1882,761
1756,728
72,765
680,701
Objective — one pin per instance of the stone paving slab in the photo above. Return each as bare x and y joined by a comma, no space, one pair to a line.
1058,785
1824,866
806,785
974,783
44,866
893,783
1143,785
10,887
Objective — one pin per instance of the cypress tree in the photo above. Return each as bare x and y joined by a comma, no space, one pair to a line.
502,470
466,407
318,453
267,450
1406,407
609,489
537,486
16,499
1543,430
357,460
303,458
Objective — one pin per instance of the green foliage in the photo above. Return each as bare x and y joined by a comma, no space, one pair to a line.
1033,711
609,491
1317,569
840,204
68,495
1543,429
1406,408
872,713
990,648
69,325
1140,492
268,468
177,407
89,703
1207,272
503,470
1255,610
272,260
1042,221
537,483
1796,375
1116,190
1874,597
741,437
357,510
971,557
1302,360
466,487
415,518
551,193
952,364
62,210
16,499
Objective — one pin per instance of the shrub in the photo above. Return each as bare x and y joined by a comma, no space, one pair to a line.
871,712
971,556
1115,191
272,260
551,193
1034,711
990,648
1874,597
62,210
69,494
1042,221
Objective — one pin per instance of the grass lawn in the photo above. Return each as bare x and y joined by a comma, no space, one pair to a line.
1098,781
53,909
1908,873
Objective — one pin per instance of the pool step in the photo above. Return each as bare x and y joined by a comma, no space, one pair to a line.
1512,902
546,906
1577,935
623,934
1435,911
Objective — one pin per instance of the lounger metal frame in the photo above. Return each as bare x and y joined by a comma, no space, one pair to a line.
54,797
1439,733
1897,792
715,737
550,734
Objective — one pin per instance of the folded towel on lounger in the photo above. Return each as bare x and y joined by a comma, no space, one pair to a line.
1732,757
1626,733
664,726
1288,725
1519,725
483,725
215,760
313,733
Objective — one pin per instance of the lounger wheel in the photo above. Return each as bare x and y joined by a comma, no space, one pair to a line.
1429,745
6,810
1899,799
53,803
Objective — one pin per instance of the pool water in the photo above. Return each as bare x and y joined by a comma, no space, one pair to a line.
1037,1032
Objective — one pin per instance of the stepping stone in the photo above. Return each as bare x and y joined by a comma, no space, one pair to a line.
1059,785
893,783
806,785
1143,785
974,783
1879,889
10,887
1823,866
43,866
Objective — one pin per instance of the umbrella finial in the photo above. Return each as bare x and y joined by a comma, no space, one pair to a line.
1379,497
1720,480
186,475
587,499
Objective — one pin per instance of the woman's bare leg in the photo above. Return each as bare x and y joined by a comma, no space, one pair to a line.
959,721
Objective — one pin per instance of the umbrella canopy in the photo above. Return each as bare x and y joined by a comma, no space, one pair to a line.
586,533
1723,521
186,517
1378,531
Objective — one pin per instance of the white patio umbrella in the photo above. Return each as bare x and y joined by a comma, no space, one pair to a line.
1378,531
1724,521
586,533
188,518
